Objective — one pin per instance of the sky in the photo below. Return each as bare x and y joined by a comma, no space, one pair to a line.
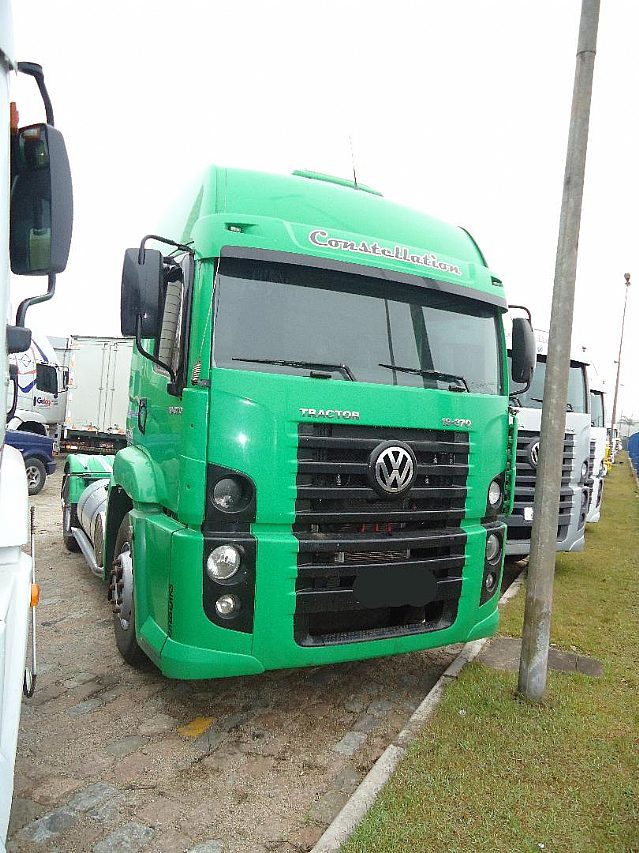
458,109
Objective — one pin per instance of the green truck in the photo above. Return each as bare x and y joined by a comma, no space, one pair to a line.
320,443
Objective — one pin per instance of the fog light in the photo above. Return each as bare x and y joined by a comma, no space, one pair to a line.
223,562
493,548
495,494
228,494
491,582
227,605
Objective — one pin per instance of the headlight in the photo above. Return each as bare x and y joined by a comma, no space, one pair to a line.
228,494
223,562
495,494
493,548
584,471
227,605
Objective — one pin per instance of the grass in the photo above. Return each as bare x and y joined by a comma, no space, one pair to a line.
492,772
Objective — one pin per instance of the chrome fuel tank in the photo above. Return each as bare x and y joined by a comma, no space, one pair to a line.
92,514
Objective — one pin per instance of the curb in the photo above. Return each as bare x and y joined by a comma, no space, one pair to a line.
351,815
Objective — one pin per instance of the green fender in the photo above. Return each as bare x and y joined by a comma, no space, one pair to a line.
136,474
80,470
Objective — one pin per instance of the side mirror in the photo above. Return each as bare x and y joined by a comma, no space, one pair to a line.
141,290
46,378
41,218
524,355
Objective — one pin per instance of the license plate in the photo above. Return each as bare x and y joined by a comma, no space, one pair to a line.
380,586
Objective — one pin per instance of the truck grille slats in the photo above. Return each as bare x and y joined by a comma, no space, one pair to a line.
345,528
519,527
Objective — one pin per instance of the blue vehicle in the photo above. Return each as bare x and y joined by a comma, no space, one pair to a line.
37,452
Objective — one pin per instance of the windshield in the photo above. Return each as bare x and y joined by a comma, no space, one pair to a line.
533,398
283,318
597,415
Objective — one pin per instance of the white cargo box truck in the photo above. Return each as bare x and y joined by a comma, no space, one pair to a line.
98,393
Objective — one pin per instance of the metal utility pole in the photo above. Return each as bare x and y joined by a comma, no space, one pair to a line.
536,633
614,405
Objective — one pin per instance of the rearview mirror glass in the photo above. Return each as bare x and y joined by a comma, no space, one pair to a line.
41,217
46,378
524,355
140,294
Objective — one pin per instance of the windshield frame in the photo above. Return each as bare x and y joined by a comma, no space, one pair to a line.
384,277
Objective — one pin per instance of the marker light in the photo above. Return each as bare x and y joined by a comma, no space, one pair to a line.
227,605
228,494
493,548
495,494
223,562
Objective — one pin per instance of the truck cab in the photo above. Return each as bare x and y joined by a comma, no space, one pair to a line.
598,439
319,434
578,456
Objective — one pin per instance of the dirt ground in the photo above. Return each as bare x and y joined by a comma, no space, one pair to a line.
113,759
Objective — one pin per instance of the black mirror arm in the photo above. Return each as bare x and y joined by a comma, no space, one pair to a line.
146,354
34,70
161,240
21,313
13,379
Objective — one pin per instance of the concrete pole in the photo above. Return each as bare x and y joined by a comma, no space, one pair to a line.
614,405
536,632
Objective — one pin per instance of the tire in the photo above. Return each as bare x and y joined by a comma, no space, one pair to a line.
36,475
69,520
124,621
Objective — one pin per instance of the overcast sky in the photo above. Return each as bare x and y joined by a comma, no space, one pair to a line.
457,108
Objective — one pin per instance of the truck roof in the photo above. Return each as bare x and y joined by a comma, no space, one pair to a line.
314,214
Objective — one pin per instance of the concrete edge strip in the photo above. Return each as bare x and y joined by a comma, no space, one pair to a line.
362,799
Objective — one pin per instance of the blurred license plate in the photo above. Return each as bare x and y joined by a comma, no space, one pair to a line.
380,586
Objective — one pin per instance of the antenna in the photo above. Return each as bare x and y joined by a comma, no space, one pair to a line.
350,141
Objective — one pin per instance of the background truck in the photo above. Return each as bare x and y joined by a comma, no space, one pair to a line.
598,438
36,214
577,468
42,390
320,437
97,398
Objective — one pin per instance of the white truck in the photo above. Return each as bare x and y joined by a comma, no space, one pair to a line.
97,398
41,389
577,467
598,439
36,215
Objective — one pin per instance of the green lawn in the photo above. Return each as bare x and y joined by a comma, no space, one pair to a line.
491,772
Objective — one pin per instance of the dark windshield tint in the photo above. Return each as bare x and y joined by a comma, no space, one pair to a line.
534,397
294,313
597,415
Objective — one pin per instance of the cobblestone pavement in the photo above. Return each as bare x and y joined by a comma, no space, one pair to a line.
113,759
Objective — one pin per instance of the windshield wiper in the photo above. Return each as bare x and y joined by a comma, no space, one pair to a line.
436,374
344,369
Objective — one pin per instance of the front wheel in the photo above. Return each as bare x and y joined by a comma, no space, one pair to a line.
36,475
123,599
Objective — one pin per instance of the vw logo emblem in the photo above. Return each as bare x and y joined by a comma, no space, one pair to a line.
533,454
392,468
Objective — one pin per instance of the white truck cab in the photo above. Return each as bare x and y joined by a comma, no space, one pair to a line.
577,467
598,439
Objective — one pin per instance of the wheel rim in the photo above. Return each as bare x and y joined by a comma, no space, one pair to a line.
122,586
33,476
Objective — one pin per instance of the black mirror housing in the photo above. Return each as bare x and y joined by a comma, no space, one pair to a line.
141,290
524,351
41,218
